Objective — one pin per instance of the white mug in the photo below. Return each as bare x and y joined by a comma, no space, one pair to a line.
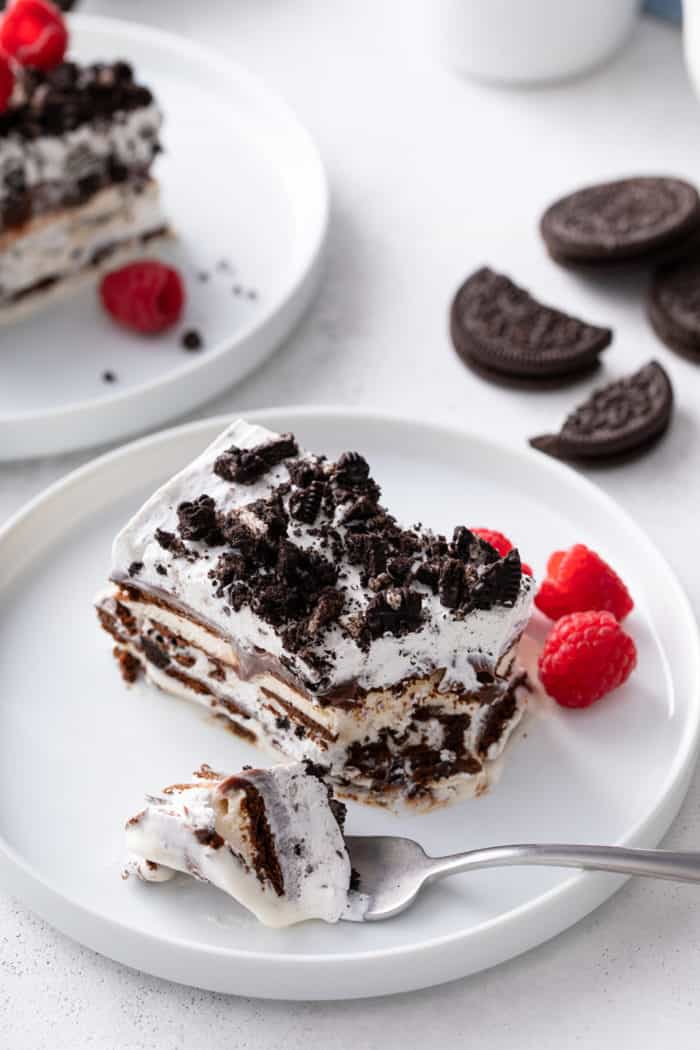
691,40
529,41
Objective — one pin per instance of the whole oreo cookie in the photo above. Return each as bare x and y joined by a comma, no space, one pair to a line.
638,219
674,307
623,416
499,329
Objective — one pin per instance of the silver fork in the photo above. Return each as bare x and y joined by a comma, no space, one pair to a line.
394,870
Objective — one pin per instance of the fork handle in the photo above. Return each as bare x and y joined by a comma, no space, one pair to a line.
650,863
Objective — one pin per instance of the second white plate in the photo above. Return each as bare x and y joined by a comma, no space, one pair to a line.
244,188
78,749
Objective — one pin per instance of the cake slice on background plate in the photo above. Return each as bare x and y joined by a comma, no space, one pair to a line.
271,585
77,143
271,839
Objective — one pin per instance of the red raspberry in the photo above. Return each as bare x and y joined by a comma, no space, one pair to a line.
34,33
585,656
500,543
147,295
578,580
7,82
554,562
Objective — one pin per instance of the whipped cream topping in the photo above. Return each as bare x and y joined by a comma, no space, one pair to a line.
461,645
206,829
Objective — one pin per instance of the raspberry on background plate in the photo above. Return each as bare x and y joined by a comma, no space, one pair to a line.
34,33
147,296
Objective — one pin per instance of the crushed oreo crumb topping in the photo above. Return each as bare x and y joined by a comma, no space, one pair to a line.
305,470
327,609
351,470
500,584
305,504
197,520
452,583
471,548
54,101
246,465
428,573
293,557
174,545
396,611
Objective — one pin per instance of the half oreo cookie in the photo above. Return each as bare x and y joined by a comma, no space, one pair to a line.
623,416
499,329
640,219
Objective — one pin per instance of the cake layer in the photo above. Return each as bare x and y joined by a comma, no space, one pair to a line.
273,585
271,839
70,132
77,241
412,741
51,291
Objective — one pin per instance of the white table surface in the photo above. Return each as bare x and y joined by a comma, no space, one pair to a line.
430,176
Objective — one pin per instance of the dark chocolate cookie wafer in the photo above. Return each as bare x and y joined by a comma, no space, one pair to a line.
628,219
674,306
677,250
499,328
625,415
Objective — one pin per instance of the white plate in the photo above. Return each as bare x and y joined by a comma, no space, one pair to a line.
243,184
78,749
